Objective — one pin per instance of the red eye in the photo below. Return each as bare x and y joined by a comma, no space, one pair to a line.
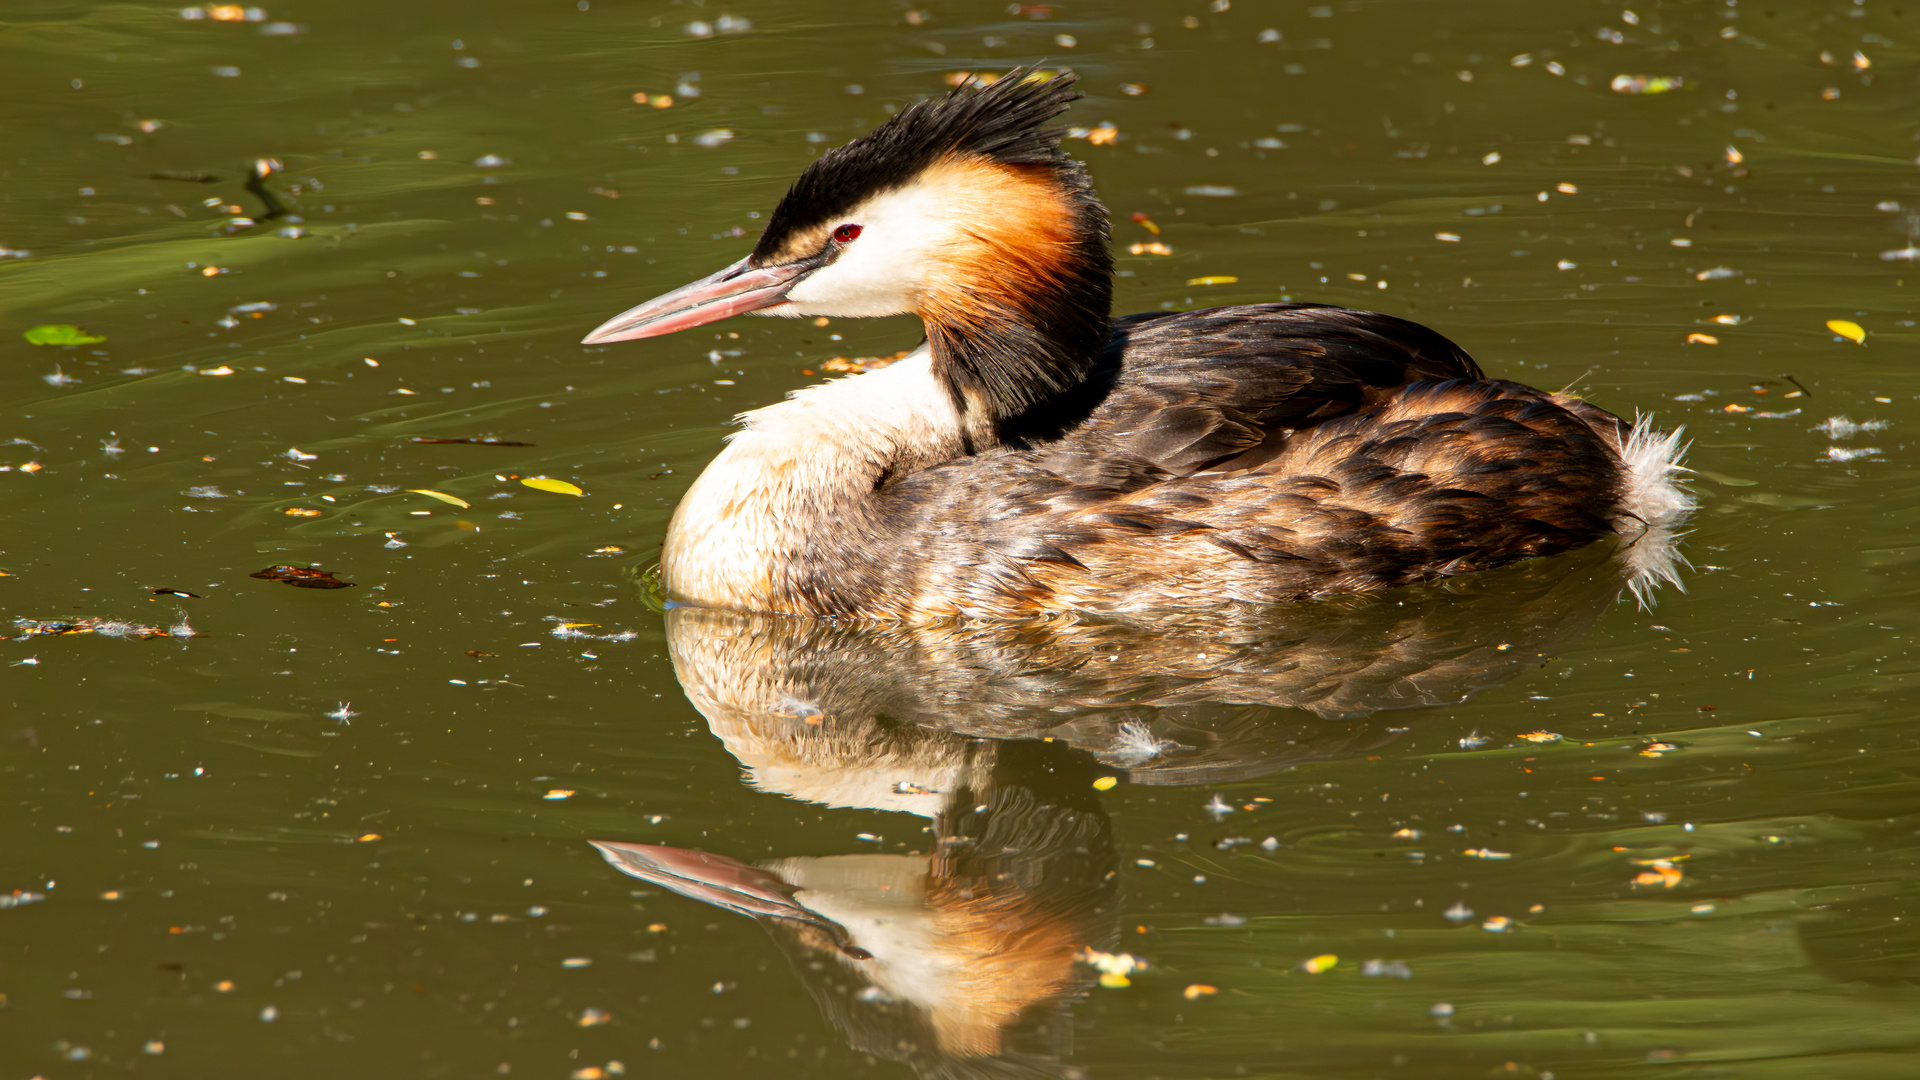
846,234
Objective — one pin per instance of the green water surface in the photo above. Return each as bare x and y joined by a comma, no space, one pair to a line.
325,835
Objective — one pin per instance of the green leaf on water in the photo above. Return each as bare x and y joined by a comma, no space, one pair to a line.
61,334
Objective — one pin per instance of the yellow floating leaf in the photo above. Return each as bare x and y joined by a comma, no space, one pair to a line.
365,838
301,511
1848,329
1541,736
1105,783
1114,980
1487,853
558,487
1199,990
559,793
1318,964
455,500
1153,247
1214,279
1702,339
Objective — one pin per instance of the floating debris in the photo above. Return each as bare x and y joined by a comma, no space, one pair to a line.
558,487
1717,273
1847,453
303,577
1135,744
1114,968
1392,969
1661,872
61,334
1154,247
716,137
1218,808
454,500
1541,736
1474,740
1839,427
1647,84
113,628
857,364
1197,991
1848,329
467,442
224,13
1318,964
1213,191
1499,924
1487,853
344,713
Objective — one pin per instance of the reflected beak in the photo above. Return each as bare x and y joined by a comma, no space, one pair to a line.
737,289
722,882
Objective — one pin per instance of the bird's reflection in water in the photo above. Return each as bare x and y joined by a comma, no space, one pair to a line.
962,962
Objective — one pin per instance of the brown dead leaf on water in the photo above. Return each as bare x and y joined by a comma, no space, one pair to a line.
303,577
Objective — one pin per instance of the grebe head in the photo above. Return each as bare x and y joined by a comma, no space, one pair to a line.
962,210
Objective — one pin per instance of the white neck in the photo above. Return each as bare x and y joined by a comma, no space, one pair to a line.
796,472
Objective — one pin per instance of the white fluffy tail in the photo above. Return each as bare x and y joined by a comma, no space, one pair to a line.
1652,505
1650,494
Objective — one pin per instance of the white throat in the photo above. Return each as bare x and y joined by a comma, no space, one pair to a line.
794,472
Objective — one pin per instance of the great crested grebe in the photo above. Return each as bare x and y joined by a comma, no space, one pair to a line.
1037,455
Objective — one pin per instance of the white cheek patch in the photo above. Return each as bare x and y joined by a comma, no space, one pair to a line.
885,270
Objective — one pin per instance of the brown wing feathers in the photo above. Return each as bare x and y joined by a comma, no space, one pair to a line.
1260,453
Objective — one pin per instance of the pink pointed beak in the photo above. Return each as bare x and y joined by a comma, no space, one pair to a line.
734,291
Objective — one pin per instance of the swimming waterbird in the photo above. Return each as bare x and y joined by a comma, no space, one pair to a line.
1037,455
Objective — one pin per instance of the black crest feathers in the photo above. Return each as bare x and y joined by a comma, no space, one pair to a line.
1004,122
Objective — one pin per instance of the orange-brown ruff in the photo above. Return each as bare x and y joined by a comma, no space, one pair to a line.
1036,455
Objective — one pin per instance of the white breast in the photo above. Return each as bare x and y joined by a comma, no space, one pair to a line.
795,468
